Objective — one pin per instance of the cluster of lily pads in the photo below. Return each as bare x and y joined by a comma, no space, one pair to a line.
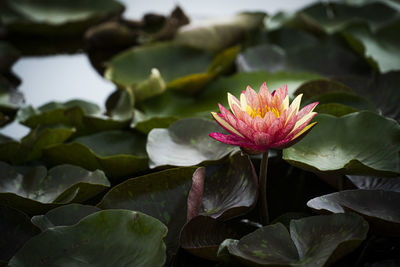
142,184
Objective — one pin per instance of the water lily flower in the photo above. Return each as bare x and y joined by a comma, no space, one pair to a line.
260,121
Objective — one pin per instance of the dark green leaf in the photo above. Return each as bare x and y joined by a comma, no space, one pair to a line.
185,143
8,56
358,143
313,241
105,238
161,195
374,182
380,208
117,153
16,228
56,17
225,190
35,190
64,215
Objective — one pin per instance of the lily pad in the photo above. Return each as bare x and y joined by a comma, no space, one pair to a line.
374,182
172,104
161,195
32,145
147,69
145,124
16,229
65,215
8,56
310,56
202,236
117,153
214,36
380,208
225,190
358,143
333,17
56,17
35,190
185,143
313,241
84,116
380,48
124,237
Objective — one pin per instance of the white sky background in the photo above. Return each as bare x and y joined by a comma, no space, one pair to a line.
65,77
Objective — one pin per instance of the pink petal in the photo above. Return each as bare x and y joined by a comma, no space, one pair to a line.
236,141
262,139
239,125
251,97
265,94
307,109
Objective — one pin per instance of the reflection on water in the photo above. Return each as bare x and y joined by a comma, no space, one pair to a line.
57,78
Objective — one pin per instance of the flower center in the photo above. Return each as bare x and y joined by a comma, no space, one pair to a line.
261,112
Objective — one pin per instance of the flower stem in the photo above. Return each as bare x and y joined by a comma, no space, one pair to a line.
263,189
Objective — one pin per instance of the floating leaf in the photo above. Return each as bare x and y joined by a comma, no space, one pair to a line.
16,228
32,145
117,153
374,182
214,36
56,17
145,124
313,241
202,236
147,69
161,195
358,143
64,215
35,190
225,190
380,48
333,17
124,238
309,56
185,143
380,208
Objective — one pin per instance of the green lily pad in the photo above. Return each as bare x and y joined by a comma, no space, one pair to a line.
316,88
56,17
10,101
185,143
16,228
380,208
172,104
145,124
147,69
375,182
214,36
202,236
276,55
125,238
333,17
358,143
35,190
32,145
161,195
313,241
84,116
65,215
225,190
380,48
117,153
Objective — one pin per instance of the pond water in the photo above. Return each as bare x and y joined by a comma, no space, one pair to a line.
65,77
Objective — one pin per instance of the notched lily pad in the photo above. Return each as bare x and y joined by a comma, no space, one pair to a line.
161,195
379,207
224,190
358,143
35,190
65,215
125,238
117,153
313,241
16,228
185,143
